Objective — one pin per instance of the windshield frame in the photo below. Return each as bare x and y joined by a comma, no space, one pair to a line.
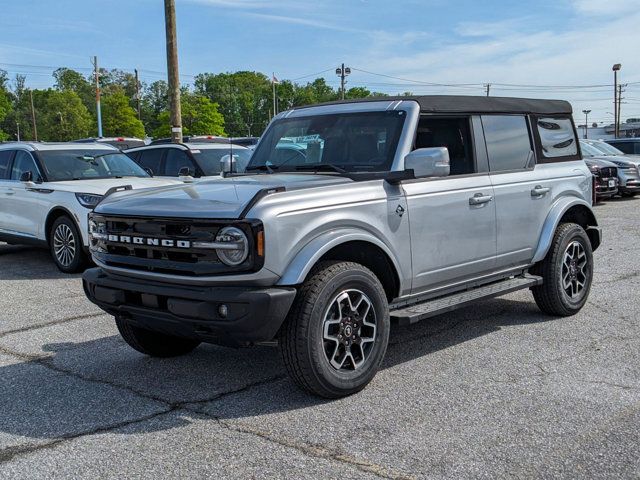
42,164
399,146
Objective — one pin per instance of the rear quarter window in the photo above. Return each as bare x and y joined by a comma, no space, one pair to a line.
557,139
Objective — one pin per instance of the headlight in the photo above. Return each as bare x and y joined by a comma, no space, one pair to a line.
97,234
232,246
593,168
89,200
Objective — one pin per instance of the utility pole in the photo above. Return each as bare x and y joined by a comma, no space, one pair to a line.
137,91
343,72
274,81
33,117
488,87
172,67
616,69
98,110
618,122
18,126
586,122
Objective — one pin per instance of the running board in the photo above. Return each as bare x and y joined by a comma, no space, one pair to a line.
431,308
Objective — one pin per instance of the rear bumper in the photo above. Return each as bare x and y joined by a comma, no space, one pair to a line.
252,314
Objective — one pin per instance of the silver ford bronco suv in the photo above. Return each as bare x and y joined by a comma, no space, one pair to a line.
351,216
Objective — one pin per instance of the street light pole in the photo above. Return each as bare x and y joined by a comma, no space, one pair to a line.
172,68
616,69
586,122
342,72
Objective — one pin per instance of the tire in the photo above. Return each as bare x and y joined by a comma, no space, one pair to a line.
313,340
566,280
66,246
154,344
628,194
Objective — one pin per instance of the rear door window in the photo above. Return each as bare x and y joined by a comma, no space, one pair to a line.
557,137
151,159
5,161
508,142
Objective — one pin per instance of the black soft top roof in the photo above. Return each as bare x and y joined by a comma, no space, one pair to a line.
476,104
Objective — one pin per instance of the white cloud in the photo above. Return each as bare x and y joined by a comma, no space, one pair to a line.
303,21
605,7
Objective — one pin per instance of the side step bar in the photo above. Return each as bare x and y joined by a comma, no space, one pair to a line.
437,306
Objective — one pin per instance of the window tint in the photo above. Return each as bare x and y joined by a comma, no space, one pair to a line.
5,158
452,133
557,137
508,142
24,162
151,159
626,147
176,159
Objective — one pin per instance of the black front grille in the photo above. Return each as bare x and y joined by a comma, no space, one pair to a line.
165,245
608,172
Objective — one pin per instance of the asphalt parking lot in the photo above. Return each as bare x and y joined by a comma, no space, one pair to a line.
497,390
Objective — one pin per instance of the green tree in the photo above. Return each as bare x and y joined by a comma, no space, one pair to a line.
200,116
155,100
68,80
63,116
5,103
118,118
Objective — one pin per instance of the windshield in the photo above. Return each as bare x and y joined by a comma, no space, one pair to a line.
351,142
209,159
76,164
589,151
606,148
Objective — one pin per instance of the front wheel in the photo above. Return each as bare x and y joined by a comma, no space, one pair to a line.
567,272
66,246
336,334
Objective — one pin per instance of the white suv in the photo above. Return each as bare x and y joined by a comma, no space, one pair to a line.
47,190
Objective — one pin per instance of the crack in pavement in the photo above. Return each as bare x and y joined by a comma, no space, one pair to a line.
52,323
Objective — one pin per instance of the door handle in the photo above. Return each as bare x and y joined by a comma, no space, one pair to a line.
540,191
479,199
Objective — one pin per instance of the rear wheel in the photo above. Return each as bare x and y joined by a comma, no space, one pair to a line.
154,344
66,246
567,272
336,334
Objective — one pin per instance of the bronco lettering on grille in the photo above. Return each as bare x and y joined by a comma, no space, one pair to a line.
151,242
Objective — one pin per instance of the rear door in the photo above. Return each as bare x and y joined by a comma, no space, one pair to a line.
5,188
522,188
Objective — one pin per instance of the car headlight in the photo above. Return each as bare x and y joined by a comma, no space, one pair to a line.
88,200
232,246
97,234
593,168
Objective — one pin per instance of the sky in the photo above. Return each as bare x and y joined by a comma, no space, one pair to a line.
545,49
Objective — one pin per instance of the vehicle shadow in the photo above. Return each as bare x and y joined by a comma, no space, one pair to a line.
103,382
20,262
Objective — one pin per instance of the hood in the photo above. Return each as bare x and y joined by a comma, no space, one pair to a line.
100,186
622,160
218,198
599,162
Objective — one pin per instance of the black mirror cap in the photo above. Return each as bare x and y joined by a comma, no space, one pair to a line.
26,177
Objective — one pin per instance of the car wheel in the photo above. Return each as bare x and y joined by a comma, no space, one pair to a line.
154,344
66,246
336,333
567,272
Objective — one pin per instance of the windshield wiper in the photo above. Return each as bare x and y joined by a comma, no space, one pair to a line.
261,168
319,167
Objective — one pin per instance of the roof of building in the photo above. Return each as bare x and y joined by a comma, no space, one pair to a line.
475,104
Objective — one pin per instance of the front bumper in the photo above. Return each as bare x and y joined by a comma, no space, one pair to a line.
604,189
253,314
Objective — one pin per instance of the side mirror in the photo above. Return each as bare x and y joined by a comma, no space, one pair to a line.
185,174
149,171
428,162
26,177
226,165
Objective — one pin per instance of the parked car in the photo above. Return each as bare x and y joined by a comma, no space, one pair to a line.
398,209
605,178
249,142
47,190
627,171
630,146
190,160
193,139
121,143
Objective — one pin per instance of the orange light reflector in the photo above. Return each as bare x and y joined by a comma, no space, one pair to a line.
260,243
